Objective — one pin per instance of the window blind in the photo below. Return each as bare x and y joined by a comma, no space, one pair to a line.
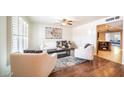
19,34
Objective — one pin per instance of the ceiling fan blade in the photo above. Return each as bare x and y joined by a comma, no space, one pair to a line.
66,21
69,23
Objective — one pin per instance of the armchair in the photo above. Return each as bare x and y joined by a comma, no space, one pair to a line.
32,64
85,53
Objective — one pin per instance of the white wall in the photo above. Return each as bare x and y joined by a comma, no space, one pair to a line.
87,33
37,35
84,34
3,46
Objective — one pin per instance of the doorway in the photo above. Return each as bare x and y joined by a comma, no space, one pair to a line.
109,41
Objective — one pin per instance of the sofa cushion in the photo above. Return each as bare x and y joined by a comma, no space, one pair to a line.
33,51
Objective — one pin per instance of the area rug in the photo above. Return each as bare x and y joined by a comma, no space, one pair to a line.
66,62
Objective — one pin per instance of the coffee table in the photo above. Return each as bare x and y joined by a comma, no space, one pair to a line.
60,52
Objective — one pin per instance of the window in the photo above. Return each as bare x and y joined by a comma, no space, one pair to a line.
19,34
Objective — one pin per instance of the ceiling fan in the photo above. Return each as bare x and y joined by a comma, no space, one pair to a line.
63,21
67,22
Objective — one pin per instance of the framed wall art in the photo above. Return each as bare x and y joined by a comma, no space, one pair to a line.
53,33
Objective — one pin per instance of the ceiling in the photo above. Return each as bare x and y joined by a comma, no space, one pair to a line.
77,20
113,26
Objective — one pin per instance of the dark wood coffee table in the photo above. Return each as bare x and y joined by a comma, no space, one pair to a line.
60,52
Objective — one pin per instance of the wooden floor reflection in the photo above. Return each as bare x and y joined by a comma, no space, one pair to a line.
113,55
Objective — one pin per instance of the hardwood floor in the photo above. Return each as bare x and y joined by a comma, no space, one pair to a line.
113,55
99,67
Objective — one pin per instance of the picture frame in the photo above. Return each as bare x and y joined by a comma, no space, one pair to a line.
53,33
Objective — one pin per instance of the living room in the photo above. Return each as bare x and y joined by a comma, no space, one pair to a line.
65,36
54,46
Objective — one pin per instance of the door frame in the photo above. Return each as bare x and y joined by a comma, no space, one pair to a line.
121,39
